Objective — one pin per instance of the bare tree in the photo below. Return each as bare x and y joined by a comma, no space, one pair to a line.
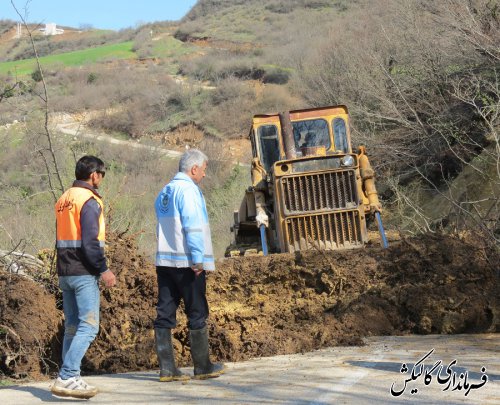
422,83
50,162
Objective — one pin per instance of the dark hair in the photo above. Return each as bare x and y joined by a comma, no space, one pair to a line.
88,165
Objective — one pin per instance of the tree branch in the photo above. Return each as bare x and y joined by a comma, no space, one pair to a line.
45,99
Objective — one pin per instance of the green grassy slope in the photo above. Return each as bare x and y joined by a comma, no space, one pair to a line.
77,58
241,43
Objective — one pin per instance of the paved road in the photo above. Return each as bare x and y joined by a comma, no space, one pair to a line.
340,375
67,125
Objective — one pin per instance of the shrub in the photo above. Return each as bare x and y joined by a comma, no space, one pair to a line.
9,90
221,65
188,30
143,45
37,75
275,98
280,7
276,76
91,77
230,107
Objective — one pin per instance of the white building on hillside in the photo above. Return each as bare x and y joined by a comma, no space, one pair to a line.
19,30
51,29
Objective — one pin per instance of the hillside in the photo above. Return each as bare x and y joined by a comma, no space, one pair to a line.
425,113
261,22
421,81
16,46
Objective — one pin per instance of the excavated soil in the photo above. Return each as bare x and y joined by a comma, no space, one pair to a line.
29,324
262,306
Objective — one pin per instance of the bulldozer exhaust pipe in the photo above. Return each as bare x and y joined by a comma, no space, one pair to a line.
287,135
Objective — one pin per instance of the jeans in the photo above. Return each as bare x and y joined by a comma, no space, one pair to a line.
81,320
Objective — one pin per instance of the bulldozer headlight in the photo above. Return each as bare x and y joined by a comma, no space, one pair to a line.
347,160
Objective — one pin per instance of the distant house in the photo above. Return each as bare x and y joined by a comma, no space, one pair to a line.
51,29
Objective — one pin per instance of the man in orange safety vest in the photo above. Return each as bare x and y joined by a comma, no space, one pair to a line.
80,264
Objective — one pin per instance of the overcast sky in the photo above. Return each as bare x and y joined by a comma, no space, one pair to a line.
106,14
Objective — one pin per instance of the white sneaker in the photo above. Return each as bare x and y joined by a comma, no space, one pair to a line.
73,387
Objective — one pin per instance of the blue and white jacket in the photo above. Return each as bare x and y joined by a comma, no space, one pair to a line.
183,231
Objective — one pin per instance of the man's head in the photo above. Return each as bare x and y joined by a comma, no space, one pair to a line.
194,163
90,169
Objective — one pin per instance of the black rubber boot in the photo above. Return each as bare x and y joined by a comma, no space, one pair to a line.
166,358
203,367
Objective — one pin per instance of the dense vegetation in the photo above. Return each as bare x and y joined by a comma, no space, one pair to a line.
420,78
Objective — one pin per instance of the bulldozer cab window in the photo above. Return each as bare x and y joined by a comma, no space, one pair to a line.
269,145
311,133
340,135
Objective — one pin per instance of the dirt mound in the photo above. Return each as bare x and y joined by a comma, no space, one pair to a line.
192,136
188,135
126,339
283,303
29,326
293,303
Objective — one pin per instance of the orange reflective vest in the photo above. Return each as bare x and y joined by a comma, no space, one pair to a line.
68,209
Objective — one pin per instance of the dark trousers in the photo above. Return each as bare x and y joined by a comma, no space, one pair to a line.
176,283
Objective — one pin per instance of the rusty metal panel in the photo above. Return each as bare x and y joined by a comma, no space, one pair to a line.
319,192
251,209
335,230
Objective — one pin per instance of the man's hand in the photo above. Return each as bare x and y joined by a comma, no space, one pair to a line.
197,268
108,279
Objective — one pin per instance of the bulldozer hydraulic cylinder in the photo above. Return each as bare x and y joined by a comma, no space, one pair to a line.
263,239
381,230
368,177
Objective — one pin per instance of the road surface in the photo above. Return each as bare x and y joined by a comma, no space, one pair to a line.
339,375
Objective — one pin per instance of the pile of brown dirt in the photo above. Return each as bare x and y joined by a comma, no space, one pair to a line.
126,338
29,325
189,135
293,303
289,303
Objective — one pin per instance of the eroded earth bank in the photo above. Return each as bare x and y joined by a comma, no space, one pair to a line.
263,306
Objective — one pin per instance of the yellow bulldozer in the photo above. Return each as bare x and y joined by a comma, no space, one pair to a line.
309,190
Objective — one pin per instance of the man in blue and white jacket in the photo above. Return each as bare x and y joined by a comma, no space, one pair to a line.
184,253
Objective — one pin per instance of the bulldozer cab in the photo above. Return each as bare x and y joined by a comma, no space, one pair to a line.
269,149
320,130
